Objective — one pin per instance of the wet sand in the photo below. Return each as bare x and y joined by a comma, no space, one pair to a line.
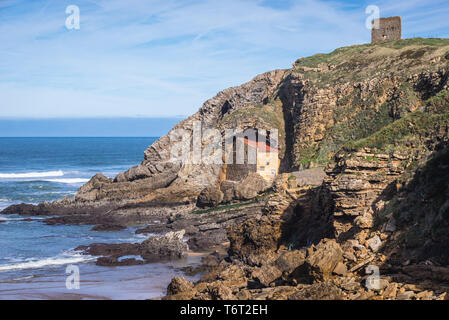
96,283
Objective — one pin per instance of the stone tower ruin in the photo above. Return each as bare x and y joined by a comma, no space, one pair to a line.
389,29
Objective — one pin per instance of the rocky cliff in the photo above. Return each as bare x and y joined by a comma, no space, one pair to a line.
374,118
323,103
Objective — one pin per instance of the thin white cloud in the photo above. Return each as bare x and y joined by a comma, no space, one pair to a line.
164,57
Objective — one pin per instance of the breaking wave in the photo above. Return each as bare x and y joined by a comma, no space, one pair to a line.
58,173
46,262
68,180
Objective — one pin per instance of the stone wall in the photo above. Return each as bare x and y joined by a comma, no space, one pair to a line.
238,172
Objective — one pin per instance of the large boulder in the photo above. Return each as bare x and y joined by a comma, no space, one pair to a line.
90,191
110,249
254,237
250,187
323,258
327,290
169,246
134,173
289,261
228,189
214,291
266,274
308,177
179,285
205,240
210,197
233,277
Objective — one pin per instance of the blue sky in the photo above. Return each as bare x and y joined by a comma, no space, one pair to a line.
165,58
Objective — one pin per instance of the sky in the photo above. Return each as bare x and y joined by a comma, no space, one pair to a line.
164,58
86,127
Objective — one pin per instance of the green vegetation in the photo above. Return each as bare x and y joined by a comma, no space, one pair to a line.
399,44
381,108
356,63
307,156
388,211
359,119
355,120
406,101
424,212
411,127
371,158
228,208
346,53
438,103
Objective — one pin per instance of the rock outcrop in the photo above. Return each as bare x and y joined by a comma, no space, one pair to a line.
367,220
210,197
169,246
250,187
374,229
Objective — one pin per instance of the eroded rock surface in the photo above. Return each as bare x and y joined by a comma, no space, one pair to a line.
171,245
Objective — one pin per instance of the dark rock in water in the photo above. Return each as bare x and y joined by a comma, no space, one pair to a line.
114,261
111,253
111,250
168,246
208,263
71,219
213,259
108,227
210,197
27,219
27,209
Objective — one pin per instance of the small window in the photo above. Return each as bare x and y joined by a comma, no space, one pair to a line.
268,163
261,168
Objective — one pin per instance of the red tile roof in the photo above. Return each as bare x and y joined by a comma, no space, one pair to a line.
261,146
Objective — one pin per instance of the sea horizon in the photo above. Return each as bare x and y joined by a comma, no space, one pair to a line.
34,255
114,127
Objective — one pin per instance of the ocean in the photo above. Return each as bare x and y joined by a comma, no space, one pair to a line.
34,256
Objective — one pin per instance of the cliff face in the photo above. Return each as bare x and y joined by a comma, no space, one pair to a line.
325,102
377,117
374,117
183,180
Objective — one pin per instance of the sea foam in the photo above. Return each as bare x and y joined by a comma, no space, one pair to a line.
58,173
68,180
46,262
